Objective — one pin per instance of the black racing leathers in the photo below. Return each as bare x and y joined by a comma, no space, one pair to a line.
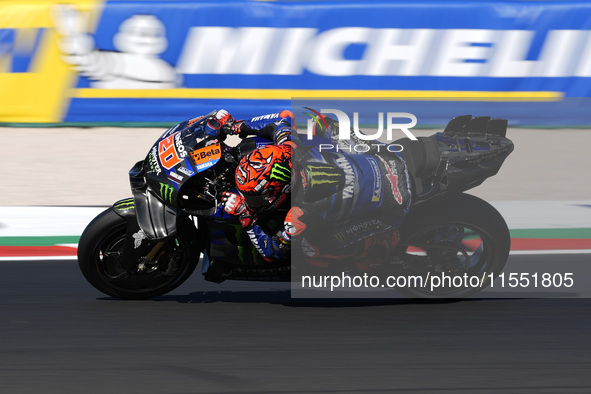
346,199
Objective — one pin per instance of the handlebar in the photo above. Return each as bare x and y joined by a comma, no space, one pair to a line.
226,130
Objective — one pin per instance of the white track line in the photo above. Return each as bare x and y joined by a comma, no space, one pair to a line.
555,251
38,258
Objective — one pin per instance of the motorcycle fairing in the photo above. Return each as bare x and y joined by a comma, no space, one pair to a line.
134,248
182,152
466,153
479,124
156,219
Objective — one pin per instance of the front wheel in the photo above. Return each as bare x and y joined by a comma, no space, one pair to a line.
455,247
138,269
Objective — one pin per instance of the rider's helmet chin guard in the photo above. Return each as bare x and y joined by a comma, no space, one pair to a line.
264,177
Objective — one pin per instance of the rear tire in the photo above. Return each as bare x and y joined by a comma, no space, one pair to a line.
462,235
100,257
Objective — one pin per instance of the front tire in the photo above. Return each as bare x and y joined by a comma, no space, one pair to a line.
104,259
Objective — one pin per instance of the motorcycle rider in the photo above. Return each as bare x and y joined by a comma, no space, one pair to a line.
263,179
367,195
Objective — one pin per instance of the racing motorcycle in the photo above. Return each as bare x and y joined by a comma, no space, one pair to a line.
145,246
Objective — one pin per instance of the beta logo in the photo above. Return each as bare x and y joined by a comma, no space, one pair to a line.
207,156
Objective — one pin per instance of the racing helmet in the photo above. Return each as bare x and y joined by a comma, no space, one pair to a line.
264,176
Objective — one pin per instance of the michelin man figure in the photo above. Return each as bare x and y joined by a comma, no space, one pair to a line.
135,64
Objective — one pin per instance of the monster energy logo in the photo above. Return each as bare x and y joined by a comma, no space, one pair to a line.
323,174
340,237
280,173
166,192
125,204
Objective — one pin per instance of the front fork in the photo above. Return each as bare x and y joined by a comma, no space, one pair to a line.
136,249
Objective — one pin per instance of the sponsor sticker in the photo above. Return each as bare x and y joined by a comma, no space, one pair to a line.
185,171
207,156
393,178
377,176
170,155
173,176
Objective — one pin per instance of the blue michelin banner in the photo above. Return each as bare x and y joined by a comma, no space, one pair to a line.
165,61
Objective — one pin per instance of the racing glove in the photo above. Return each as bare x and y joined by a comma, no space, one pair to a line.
229,124
224,117
235,205
238,127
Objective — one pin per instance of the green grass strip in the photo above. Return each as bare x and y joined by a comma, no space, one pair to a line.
552,233
39,241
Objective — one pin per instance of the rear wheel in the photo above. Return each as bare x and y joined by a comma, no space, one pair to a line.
455,247
155,268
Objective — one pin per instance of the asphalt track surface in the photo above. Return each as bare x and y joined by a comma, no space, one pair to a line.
59,335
